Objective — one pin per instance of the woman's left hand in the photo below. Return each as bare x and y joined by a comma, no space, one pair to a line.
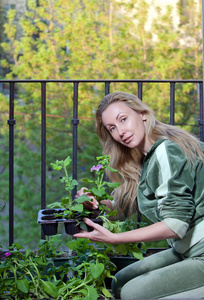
99,234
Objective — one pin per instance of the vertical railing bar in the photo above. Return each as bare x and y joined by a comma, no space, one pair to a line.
107,91
11,122
43,145
75,122
201,102
172,103
43,148
139,93
107,87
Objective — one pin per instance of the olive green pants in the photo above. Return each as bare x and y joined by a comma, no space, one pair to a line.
162,275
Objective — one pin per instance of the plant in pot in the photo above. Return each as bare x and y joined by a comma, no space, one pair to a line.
66,210
114,257
71,211
123,254
26,274
133,250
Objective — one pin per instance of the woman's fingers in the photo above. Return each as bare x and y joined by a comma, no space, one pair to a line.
99,234
93,204
80,192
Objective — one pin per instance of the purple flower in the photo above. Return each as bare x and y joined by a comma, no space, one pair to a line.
96,168
7,254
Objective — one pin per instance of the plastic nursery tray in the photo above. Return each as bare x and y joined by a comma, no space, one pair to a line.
46,216
49,222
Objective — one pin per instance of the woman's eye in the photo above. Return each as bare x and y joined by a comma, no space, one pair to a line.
123,119
111,129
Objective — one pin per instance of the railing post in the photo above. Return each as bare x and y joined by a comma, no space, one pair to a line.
107,88
139,93
75,122
43,149
43,145
172,103
11,122
201,120
201,89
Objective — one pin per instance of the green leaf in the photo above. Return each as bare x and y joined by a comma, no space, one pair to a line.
74,182
83,291
138,255
106,293
3,268
40,262
111,169
82,198
96,192
113,184
92,293
71,186
55,205
122,248
87,180
55,166
23,285
96,269
113,213
78,207
49,288
67,161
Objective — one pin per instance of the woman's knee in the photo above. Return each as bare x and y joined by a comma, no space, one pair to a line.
117,284
129,291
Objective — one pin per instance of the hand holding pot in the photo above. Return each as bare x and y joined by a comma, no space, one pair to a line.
99,234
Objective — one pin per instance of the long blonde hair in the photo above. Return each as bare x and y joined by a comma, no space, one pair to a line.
128,161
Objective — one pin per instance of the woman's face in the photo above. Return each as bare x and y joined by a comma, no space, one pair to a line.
126,126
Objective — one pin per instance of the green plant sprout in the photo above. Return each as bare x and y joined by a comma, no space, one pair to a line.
100,188
124,249
70,206
100,185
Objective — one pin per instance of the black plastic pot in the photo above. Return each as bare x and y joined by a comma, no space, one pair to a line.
123,261
98,221
50,229
120,262
49,220
71,227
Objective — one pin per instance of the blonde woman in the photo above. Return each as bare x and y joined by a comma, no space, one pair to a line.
161,169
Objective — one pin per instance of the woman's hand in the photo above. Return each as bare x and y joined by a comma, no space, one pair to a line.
155,232
99,234
93,204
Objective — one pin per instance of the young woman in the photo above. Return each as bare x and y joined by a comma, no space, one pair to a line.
161,169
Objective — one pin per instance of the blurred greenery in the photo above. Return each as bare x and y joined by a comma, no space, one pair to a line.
86,39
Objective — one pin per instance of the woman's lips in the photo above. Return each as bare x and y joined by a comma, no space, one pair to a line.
128,139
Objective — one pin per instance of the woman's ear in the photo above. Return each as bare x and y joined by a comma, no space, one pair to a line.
143,115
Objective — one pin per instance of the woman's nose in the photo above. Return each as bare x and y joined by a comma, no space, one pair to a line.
121,131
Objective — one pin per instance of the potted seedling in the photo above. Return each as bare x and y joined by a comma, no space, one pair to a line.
100,188
71,211
27,274
118,255
67,210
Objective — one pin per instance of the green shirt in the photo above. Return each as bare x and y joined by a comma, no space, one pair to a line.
172,191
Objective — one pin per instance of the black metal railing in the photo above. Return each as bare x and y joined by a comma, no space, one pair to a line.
75,122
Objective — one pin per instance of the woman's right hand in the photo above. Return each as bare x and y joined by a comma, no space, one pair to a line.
93,204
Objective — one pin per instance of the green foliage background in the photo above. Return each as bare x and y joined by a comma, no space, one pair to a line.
86,39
